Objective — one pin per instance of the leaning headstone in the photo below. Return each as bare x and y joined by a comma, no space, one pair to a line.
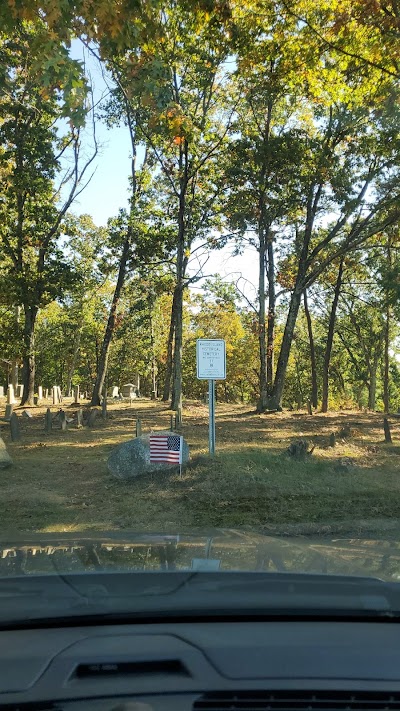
48,420
76,394
131,459
14,428
27,414
10,395
9,412
5,459
92,417
63,420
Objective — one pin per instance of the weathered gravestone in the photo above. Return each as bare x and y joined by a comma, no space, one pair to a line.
14,428
10,395
5,459
76,394
131,459
115,391
48,420
129,390
19,390
92,417
9,412
1,391
79,418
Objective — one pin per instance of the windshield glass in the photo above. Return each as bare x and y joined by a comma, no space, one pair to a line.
199,290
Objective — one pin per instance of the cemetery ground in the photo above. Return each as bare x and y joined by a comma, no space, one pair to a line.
60,482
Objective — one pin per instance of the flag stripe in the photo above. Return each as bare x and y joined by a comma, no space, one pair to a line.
166,448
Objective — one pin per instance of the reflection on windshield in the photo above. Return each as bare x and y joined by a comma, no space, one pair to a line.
245,552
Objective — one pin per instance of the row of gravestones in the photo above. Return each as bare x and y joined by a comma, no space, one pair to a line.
80,419
43,394
13,394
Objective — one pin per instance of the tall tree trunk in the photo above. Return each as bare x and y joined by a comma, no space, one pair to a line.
176,402
181,262
386,399
314,381
271,313
28,369
329,340
265,340
153,362
170,347
372,380
262,403
275,398
112,318
15,361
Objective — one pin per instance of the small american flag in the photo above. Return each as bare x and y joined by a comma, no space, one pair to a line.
166,448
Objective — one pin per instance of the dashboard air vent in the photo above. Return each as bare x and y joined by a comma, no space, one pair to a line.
137,668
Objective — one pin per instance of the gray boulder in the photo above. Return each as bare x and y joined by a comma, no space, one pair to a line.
131,459
5,459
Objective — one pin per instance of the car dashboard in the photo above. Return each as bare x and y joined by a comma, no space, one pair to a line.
276,664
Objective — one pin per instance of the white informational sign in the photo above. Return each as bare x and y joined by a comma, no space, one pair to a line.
211,359
209,564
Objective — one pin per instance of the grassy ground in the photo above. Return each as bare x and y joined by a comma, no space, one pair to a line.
60,481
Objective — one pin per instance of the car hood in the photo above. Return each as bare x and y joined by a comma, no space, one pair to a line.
213,550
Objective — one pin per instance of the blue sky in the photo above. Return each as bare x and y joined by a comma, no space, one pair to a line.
108,190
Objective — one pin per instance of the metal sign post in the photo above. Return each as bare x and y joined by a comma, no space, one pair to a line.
211,366
211,422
